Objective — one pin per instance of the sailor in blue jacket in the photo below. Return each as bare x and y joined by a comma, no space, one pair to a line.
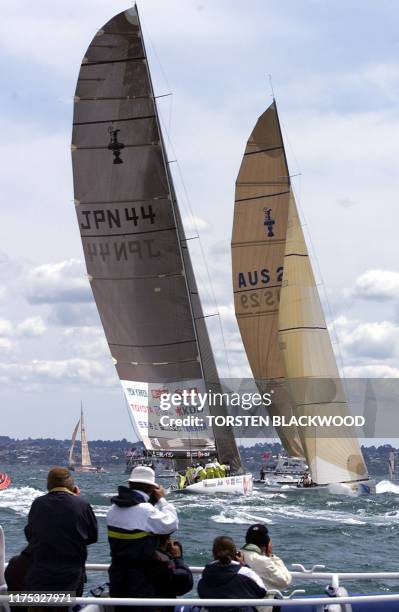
228,578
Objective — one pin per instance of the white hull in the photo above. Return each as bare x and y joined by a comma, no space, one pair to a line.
237,485
366,487
86,469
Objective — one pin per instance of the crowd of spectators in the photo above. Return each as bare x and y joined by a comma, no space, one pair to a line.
146,561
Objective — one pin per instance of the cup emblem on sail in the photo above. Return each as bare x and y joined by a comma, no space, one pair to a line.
268,222
115,146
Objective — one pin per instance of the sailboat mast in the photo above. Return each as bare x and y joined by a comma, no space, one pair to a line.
226,446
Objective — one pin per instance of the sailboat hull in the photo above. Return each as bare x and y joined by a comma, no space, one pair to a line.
87,469
237,485
359,489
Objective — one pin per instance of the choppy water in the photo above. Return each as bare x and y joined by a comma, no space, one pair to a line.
342,532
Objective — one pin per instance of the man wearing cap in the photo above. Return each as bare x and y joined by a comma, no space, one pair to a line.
258,554
139,514
60,527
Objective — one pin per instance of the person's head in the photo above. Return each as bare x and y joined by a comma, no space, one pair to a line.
224,550
60,477
166,543
142,478
258,534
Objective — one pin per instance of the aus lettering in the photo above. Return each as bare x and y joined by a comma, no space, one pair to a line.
259,277
260,299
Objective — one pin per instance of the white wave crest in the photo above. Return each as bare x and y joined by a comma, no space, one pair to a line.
19,499
238,518
386,486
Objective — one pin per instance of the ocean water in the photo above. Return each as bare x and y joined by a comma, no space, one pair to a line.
342,532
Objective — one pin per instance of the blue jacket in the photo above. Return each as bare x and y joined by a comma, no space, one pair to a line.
232,581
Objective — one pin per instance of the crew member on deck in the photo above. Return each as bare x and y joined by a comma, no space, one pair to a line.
306,480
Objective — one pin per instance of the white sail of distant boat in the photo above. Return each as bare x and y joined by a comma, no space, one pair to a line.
135,247
391,465
279,312
83,463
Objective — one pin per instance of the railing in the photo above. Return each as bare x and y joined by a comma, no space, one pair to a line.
304,574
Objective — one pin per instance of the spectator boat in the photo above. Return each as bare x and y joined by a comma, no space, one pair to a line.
281,319
332,598
136,251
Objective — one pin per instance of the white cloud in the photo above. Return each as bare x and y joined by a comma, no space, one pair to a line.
194,224
89,342
31,327
76,371
366,343
371,371
6,328
6,345
59,282
379,285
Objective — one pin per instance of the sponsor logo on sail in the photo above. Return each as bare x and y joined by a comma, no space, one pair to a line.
114,145
269,222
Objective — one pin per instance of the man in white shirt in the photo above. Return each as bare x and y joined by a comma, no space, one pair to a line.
258,554
139,514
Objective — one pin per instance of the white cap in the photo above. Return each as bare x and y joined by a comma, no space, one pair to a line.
144,474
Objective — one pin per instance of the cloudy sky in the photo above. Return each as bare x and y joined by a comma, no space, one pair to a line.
336,78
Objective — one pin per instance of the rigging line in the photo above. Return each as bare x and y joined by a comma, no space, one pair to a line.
153,49
203,257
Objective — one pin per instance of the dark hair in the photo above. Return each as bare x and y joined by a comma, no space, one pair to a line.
142,486
60,477
224,550
258,534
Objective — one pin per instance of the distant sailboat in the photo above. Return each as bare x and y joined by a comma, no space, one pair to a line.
84,465
279,312
391,465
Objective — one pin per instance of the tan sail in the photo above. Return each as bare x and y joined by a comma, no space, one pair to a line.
72,447
86,459
258,247
310,365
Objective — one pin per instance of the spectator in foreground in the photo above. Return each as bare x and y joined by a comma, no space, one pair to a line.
138,517
172,577
258,554
60,527
228,578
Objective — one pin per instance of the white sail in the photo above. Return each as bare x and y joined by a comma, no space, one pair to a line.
257,246
72,447
311,367
86,460
391,465
279,311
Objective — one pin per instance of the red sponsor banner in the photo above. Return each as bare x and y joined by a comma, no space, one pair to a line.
158,393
